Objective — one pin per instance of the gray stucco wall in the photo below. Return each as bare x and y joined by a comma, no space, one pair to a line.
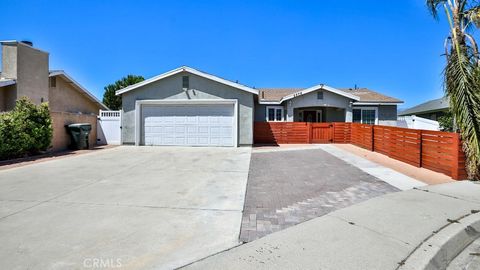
260,113
200,88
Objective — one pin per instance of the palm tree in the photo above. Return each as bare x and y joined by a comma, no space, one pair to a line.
462,73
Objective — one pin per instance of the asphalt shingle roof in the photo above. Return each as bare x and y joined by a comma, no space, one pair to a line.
365,95
276,94
438,104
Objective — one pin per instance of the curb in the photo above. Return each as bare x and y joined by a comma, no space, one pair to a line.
437,251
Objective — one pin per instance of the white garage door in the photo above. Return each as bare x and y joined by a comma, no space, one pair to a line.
192,125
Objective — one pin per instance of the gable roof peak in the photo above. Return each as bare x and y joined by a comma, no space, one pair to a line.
189,70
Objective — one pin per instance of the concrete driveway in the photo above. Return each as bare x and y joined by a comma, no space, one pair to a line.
124,208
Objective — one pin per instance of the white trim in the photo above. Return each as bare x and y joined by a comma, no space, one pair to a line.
275,113
369,109
139,103
189,70
269,102
377,103
7,82
319,87
121,126
79,86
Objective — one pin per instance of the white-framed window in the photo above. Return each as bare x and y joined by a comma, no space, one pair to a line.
365,115
274,114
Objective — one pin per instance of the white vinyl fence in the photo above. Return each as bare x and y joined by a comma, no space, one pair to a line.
108,127
416,122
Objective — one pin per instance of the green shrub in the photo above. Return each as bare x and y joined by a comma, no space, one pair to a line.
446,122
26,130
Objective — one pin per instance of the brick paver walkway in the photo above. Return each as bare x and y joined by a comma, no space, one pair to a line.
289,187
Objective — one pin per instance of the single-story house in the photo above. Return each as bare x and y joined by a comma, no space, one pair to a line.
25,73
186,106
432,109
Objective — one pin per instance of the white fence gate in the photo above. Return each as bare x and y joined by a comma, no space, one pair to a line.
108,127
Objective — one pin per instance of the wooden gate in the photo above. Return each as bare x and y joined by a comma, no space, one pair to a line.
322,133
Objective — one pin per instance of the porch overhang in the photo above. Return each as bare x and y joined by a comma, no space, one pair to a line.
320,87
309,90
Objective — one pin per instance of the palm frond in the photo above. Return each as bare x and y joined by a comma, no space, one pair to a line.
462,84
472,15
432,6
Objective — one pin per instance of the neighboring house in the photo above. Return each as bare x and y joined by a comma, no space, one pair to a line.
25,72
189,107
432,109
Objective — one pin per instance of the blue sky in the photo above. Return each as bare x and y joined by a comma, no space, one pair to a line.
393,47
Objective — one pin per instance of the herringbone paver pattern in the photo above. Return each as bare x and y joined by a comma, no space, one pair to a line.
288,187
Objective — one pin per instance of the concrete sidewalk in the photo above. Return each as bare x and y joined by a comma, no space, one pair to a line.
388,232
390,176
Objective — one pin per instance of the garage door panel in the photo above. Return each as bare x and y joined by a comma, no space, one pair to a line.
192,120
202,130
203,119
181,120
191,129
196,125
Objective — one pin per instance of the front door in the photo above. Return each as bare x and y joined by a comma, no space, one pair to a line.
310,116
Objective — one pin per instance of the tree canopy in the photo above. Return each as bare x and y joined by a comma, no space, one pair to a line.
110,99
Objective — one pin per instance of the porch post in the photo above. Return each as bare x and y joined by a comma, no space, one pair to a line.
348,114
289,111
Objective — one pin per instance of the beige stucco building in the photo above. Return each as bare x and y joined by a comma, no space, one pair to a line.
25,73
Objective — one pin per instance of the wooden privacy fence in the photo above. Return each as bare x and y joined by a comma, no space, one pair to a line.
301,132
434,150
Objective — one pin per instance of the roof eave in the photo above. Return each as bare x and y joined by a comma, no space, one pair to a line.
83,89
7,83
189,70
318,87
405,113
378,102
